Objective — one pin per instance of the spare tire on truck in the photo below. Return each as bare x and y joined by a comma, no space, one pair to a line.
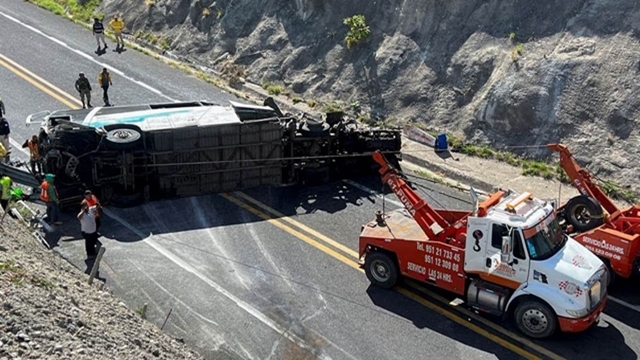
583,213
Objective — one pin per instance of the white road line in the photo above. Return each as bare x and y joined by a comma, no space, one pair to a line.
243,305
372,192
625,304
88,57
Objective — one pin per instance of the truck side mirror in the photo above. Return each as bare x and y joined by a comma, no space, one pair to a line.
505,254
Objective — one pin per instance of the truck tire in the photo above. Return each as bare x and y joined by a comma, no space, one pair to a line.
584,213
123,136
381,270
535,319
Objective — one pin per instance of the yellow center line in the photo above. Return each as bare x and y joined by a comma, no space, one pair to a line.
36,84
270,219
41,80
299,225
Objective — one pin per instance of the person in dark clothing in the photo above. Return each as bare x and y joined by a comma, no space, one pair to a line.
2,111
84,89
98,31
4,137
104,80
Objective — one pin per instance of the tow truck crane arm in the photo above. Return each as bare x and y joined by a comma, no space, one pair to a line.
424,214
582,179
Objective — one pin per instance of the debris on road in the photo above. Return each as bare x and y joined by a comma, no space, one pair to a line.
47,310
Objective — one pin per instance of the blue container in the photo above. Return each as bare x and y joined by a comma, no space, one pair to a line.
441,143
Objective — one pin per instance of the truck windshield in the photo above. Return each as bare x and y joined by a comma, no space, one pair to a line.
545,239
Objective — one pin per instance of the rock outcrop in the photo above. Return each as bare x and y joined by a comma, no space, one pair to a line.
453,65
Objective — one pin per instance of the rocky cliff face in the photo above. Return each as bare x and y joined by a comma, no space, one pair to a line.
449,64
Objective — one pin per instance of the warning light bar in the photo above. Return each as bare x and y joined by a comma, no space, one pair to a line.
511,206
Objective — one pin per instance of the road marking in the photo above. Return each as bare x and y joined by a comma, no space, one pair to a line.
292,231
38,78
36,84
190,269
625,304
88,57
469,325
245,306
298,224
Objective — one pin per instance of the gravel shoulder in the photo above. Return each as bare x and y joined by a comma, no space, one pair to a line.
48,311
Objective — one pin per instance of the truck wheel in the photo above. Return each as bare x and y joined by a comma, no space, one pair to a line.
123,136
535,319
381,270
584,213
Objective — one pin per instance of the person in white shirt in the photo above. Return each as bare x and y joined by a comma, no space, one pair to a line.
87,217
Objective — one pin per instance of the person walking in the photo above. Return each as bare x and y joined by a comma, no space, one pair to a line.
98,32
34,154
2,111
49,195
104,80
92,200
87,219
5,182
4,137
84,89
117,25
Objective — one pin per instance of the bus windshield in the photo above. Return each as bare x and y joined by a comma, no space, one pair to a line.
545,239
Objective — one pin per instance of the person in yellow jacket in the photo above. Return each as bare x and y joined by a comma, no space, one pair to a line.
117,25
104,80
5,182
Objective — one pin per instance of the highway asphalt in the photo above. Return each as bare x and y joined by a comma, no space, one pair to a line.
268,273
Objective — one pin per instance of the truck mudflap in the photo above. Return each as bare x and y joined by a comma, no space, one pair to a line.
581,324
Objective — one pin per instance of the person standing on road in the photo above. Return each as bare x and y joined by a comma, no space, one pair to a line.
2,111
4,137
84,89
49,195
98,31
34,153
104,80
117,25
88,228
92,200
5,182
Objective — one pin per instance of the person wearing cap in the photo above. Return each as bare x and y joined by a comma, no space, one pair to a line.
49,195
83,86
92,200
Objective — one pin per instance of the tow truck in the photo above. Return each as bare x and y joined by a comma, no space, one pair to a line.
508,257
613,236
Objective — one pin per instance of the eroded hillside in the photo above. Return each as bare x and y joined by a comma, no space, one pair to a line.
454,65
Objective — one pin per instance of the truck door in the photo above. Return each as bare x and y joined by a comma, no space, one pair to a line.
512,274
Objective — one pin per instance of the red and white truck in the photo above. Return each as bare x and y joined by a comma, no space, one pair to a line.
507,257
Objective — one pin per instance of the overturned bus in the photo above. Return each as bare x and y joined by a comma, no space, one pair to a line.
134,153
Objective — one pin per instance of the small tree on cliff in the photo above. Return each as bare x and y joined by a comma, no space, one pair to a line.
358,30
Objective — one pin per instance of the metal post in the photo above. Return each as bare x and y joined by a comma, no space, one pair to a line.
143,312
165,320
96,265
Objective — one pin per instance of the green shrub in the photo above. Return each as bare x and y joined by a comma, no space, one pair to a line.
312,103
358,30
274,89
296,99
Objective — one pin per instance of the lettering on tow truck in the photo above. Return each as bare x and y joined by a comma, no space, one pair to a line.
504,269
401,195
420,246
603,244
416,268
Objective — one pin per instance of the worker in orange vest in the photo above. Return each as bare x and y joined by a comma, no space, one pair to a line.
34,153
49,195
91,200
